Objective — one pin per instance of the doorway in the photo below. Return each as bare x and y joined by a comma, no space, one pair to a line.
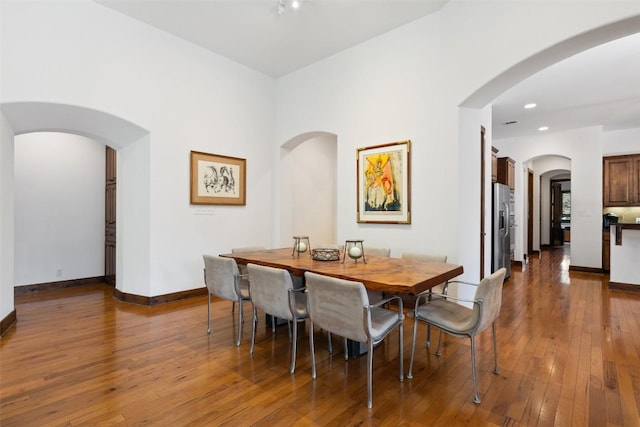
560,212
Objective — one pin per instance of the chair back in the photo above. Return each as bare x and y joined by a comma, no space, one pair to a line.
337,305
415,256
247,249
220,276
383,252
490,291
270,290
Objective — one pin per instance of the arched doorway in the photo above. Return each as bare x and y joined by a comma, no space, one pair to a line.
309,188
132,143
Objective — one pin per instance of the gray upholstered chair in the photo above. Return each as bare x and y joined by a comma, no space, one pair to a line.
342,307
445,312
244,281
222,277
383,252
441,288
272,292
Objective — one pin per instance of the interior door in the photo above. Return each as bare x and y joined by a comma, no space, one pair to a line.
556,214
110,218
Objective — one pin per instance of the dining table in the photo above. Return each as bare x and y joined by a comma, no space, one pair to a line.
379,274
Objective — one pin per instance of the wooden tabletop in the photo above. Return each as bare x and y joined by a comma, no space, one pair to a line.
384,274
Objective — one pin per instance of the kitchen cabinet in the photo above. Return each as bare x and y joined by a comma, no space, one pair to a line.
621,180
494,164
507,172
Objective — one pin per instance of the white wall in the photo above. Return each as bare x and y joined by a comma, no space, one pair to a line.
314,186
59,208
406,84
185,97
618,142
6,217
409,84
584,148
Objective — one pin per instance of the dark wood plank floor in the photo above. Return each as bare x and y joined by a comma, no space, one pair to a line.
569,352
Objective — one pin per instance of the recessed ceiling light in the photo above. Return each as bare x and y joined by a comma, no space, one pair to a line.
530,106
543,128
295,4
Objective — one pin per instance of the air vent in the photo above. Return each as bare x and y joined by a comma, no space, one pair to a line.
510,122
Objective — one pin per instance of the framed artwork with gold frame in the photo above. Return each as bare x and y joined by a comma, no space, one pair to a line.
384,183
217,179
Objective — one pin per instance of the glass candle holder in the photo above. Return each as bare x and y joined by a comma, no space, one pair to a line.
354,249
301,244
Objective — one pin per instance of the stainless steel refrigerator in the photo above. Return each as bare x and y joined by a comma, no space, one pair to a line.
501,230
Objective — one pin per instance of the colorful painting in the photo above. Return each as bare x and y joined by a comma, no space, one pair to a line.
383,173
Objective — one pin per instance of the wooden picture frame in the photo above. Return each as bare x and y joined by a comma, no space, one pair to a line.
217,179
384,183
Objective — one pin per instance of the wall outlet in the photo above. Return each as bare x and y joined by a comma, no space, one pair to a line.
637,220
59,272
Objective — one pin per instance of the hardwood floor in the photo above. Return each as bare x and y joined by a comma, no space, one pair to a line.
568,348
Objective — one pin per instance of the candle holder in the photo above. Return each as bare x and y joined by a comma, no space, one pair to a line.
301,244
354,249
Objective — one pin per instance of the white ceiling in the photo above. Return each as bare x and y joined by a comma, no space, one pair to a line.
252,32
597,87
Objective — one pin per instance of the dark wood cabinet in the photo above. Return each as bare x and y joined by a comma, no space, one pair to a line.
621,180
507,172
494,164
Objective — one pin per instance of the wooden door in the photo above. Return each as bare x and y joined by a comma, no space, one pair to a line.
110,218
482,195
530,212
556,214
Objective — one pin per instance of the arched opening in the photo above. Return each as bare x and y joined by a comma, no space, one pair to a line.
309,172
132,143
587,252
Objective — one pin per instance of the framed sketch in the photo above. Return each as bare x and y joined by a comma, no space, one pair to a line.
217,180
384,183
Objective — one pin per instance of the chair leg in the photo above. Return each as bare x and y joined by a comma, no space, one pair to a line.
233,307
495,350
313,353
476,397
289,327
413,347
438,353
346,349
273,324
240,320
208,313
428,343
370,375
330,342
253,330
294,346
400,351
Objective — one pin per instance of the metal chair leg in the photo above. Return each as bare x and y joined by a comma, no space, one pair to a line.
476,397
495,350
400,351
330,343
208,313
346,349
413,347
253,331
294,346
313,354
240,320
438,353
370,376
